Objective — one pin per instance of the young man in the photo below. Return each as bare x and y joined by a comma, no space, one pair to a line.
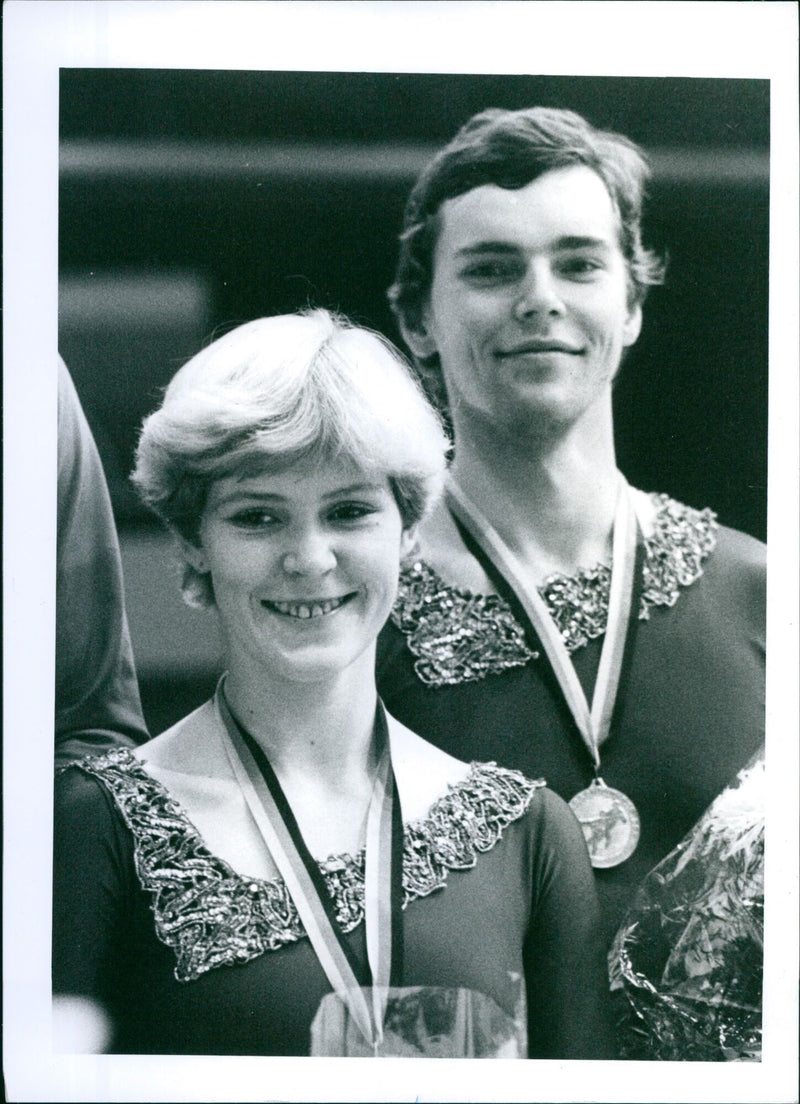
555,619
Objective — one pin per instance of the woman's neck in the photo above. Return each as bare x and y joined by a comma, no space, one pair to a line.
319,730
552,502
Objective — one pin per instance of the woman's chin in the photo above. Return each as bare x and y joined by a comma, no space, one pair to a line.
304,649
312,665
311,660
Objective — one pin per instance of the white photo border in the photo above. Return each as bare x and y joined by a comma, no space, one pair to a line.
691,39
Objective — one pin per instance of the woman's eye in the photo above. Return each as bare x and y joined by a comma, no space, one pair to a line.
253,519
351,511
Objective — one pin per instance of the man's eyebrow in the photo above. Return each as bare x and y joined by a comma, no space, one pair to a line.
485,247
575,241
568,241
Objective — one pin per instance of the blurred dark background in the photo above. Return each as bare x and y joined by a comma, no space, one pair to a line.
193,200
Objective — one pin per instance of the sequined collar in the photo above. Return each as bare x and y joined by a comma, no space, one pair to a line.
458,636
211,916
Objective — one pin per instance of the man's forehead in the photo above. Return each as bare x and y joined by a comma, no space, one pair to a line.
568,203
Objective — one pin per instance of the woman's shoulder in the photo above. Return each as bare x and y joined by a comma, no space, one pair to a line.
491,804
109,780
89,799
554,820
185,745
423,772
79,787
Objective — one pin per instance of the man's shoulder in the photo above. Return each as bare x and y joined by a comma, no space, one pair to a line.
741,549
674,519
735,572
689,545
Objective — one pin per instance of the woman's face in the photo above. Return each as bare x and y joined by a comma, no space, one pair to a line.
304,566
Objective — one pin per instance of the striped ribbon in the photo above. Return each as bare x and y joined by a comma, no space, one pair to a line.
383,873
593,723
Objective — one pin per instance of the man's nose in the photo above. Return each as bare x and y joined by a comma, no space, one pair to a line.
538,294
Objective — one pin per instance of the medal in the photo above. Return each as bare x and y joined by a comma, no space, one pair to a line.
609,821
608,817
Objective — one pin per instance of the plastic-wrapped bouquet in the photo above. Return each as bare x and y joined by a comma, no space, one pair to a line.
687,962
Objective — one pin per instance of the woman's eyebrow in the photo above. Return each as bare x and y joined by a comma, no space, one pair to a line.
243,495
353,488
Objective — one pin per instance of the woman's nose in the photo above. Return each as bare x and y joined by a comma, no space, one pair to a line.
538,295
309,553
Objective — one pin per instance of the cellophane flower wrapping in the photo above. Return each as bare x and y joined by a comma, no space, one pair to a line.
686,966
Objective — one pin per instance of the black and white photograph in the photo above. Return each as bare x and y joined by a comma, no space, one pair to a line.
400,552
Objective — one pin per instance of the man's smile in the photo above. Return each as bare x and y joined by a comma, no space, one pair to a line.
538,347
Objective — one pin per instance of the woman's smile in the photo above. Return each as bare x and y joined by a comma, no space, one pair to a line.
308,608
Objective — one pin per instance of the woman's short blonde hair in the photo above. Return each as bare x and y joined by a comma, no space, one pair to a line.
280,390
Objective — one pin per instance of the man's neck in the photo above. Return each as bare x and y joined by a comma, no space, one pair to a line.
551,500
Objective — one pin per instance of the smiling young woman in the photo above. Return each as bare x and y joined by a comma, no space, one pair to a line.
304,568
289,870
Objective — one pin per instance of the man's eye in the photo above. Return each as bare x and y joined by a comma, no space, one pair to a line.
253,519
489,272
351,511
581,267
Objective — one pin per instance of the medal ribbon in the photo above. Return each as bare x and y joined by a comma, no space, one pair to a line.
383,873
593,723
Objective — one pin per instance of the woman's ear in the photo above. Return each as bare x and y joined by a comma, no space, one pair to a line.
408,541
191,552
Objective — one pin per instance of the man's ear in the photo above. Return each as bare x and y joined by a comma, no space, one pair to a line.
633,326
419,339
191,552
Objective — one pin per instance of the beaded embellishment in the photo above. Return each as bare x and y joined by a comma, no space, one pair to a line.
457,636
211,916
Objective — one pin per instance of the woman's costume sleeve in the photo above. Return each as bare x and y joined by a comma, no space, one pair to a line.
93,884
567,982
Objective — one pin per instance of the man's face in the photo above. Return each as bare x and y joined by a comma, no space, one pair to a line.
528,308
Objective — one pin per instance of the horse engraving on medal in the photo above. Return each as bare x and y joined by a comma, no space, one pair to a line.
609,821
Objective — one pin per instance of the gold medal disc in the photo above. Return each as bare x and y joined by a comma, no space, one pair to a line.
609,821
